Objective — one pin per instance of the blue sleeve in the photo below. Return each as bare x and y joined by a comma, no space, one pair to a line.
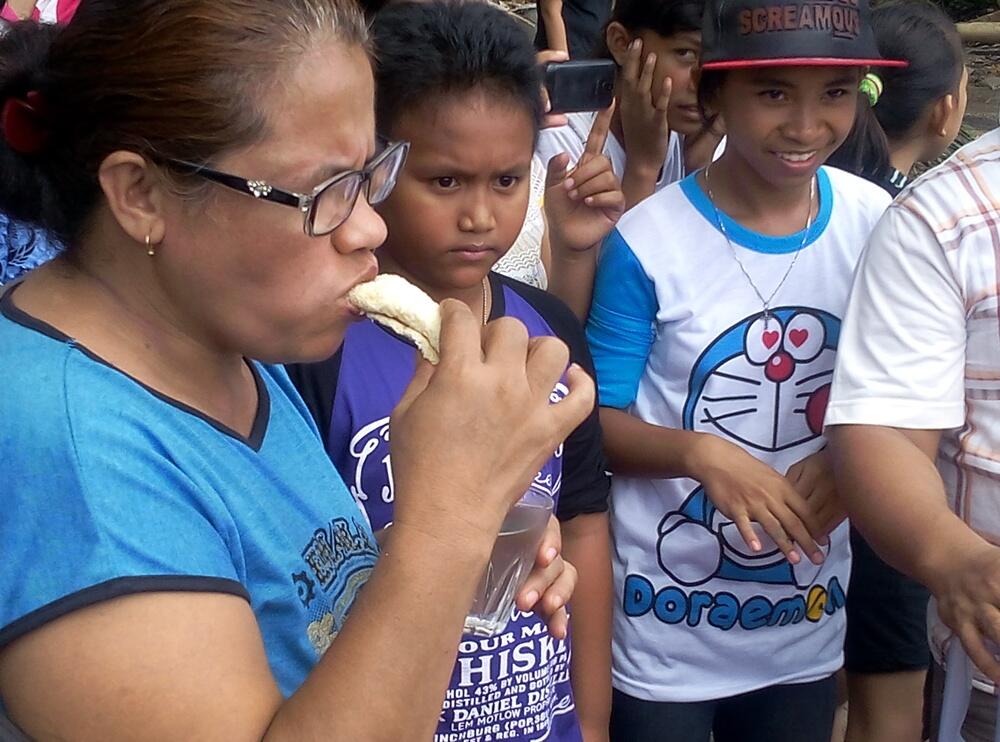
622,322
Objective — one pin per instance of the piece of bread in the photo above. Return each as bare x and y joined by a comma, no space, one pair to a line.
393,301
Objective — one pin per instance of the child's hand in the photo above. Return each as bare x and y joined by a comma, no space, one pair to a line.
583,205
551,120
813,479
644,111
748,491
551,582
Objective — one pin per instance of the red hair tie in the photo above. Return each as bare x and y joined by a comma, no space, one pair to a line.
24,123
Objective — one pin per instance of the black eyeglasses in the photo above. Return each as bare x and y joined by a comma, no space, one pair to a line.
332,201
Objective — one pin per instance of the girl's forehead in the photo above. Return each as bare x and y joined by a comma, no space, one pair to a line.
797,75
454,113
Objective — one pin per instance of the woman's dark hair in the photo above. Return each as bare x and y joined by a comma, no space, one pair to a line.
921,34
169,79
664,17
428,51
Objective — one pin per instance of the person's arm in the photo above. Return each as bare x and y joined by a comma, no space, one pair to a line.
581,207
899,382
812,477
166,666
555,26
571,277
193,665
587,545
545,249
582,509
746,490
896,498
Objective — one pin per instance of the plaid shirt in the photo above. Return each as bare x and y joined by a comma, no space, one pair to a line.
920,347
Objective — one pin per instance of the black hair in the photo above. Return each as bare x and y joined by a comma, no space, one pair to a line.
664,17
427,51
920,33
709,84
28,196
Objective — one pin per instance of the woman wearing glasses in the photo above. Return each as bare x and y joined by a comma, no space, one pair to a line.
180,559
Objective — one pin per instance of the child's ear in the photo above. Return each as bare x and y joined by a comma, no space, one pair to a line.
618,38
940,115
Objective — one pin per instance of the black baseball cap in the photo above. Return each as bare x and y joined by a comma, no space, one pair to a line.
789,33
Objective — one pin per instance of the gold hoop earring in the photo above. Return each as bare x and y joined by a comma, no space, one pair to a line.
150,250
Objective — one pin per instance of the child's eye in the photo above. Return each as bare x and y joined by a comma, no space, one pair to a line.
775,95
507,181
447,182
837,92
687,55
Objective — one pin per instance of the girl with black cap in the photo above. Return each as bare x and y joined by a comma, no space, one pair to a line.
714,329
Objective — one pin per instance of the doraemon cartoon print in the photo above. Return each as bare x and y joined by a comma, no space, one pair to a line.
764,383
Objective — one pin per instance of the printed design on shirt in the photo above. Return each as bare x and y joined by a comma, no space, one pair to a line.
777,369
339,559
513,686
763,384
372,482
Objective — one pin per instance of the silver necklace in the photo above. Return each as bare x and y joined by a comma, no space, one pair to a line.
805,236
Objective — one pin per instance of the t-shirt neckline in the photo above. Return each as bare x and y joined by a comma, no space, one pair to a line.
740,235
258,430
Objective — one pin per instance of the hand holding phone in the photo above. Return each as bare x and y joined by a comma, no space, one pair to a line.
582,85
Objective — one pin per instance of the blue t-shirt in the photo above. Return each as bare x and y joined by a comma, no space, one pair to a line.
110,488
515,685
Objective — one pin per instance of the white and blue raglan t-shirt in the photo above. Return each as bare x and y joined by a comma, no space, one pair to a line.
679,340
109,488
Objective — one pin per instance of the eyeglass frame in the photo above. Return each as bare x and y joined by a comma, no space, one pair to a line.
304,202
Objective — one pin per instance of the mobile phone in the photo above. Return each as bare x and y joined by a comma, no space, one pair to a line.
580,85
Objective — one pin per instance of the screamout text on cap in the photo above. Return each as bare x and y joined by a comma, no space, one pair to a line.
762,33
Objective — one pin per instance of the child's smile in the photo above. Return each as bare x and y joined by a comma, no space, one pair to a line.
789,119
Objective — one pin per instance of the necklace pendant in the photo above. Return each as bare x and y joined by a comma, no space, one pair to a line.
767,319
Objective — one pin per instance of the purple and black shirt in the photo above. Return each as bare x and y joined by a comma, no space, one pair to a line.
515,685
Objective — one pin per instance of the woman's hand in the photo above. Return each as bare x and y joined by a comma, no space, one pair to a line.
550,584
813,479
584,204
748,491
471,433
